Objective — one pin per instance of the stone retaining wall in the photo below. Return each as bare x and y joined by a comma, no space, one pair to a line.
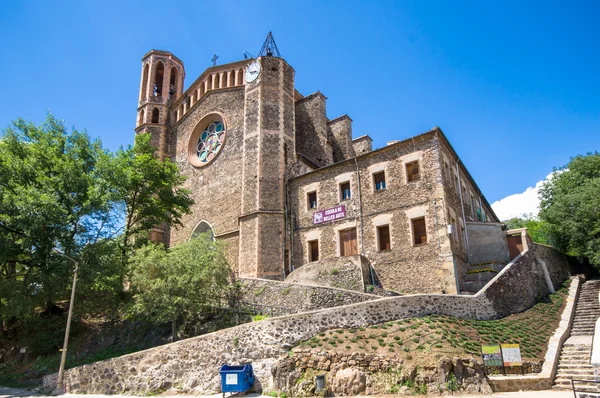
544,379
290,298
348,273
192,366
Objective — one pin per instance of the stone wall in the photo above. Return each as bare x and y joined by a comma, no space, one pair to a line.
487,243
215,182
290,298
372,374
191,366
544,379
525,277
406,267
349,273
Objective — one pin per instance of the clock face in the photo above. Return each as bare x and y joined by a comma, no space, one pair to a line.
252,72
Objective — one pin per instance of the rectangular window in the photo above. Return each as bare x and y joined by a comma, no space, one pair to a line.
312,200
379,179
448,174
457,185
412,171
313,250
383,234
348,246
419,231
345,190
472,207
454,229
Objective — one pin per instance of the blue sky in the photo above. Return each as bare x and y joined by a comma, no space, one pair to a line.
514,85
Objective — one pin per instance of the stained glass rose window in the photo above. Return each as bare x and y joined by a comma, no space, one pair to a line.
207,140
210,142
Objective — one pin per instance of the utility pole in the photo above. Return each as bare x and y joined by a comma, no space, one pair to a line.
59,385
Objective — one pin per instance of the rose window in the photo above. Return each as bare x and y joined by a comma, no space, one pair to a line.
206,140
210,142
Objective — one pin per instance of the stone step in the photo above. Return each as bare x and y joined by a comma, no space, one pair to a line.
480,276
473,286
566,378
576,366
574,371
494,266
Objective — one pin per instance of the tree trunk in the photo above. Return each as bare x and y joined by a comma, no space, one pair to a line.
174,329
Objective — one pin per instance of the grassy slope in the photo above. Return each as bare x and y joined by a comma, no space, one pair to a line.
434,336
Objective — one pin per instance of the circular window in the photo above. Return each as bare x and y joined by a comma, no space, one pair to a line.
207,140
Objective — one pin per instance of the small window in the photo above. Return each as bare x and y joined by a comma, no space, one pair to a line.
419,231
312,200
412,171
448,174
379,179
345,191
454,232
313,251
155,115
383,235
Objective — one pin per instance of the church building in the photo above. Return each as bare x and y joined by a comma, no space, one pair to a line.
287,188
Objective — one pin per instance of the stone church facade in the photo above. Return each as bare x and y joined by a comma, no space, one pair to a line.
285,186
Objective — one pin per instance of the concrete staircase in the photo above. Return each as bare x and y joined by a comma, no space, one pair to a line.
574,360
478,275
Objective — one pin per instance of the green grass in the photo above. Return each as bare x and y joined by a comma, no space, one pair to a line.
530,329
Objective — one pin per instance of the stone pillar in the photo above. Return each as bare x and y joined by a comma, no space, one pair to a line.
268,125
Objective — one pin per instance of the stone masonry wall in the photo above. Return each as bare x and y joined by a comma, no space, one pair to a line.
349,273
192,366
216,184
487,243
405,268
290,298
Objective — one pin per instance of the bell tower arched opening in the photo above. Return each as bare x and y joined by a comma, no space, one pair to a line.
155,115
173,83
144,89
158,79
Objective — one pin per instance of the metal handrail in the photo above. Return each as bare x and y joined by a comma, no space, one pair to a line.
581,391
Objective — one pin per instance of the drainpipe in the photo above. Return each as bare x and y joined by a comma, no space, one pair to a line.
360,214
462,204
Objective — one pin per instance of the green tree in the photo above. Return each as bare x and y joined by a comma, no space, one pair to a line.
63,189
570,204
178,284
148,191
50,196
537,229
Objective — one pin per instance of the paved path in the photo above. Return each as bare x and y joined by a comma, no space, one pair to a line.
15,393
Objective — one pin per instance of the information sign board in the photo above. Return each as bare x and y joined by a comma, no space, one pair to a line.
492,355
511,354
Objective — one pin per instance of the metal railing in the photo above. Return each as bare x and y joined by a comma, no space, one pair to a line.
585,389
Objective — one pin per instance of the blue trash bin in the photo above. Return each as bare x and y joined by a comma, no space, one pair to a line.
236,378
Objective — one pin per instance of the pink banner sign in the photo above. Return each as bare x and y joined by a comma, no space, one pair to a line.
335,213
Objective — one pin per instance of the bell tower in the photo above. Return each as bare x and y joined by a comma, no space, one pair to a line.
161,84
268,147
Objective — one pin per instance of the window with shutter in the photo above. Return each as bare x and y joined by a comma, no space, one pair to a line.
379,180
412,171
419,231
313,250
383,233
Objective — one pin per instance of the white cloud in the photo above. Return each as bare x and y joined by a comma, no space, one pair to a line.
520,203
